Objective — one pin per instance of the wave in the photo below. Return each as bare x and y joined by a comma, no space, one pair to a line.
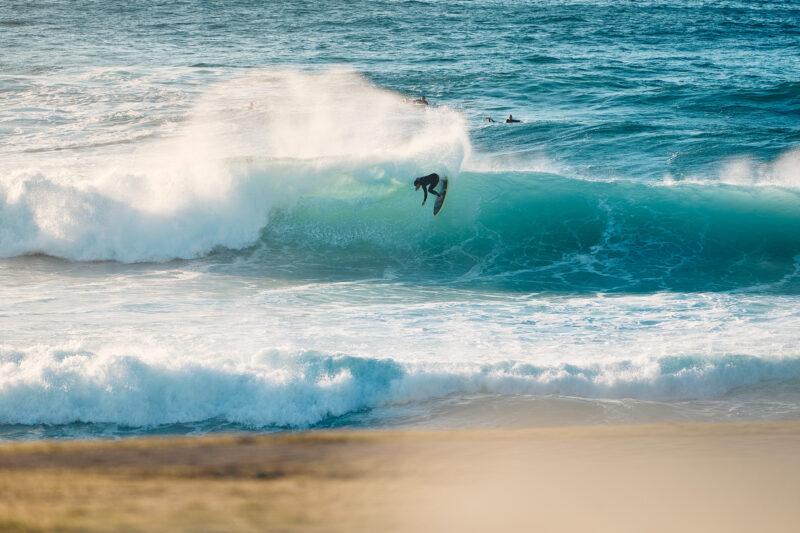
279,389
309,174
181,197
530,230
548,232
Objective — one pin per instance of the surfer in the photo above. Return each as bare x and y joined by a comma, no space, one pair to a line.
509,120
427,183
421,100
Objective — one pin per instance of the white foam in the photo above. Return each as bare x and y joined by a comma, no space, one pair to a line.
746,171
276,388
153,348
215,182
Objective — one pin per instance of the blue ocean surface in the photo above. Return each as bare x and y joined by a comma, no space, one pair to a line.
208,222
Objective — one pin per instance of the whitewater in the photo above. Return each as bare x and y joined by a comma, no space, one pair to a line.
197,236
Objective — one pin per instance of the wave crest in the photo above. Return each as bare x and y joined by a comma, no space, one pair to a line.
300,390
257,142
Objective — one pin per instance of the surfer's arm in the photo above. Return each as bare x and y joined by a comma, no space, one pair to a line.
425,190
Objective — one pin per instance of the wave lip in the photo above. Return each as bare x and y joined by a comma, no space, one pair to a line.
284,390
258,142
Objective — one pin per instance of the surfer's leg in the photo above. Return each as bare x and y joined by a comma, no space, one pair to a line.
430,190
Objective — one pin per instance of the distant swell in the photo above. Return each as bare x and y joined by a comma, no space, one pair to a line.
302,390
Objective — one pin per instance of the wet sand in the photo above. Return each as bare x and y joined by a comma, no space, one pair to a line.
684,477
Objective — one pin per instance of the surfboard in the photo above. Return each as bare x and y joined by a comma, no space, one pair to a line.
437,205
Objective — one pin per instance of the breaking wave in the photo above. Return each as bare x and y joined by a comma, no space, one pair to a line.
283,390
311,172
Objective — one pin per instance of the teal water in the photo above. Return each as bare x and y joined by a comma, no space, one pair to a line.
207,220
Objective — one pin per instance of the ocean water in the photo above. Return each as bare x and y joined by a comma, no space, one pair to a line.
207,221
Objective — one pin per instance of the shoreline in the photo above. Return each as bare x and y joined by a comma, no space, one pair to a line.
655,477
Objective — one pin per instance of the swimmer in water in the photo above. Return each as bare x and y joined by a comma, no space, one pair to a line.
511,119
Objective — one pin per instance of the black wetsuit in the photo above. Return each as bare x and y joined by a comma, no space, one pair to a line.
428,183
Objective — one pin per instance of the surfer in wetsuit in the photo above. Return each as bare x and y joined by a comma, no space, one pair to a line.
427,183
511,119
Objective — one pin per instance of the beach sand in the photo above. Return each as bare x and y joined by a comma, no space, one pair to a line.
684,477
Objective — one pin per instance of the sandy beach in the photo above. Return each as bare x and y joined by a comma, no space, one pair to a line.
692,477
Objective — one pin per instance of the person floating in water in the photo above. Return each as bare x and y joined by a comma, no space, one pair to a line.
421,100
509,120
427,183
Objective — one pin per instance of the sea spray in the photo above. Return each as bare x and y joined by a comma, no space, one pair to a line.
215,183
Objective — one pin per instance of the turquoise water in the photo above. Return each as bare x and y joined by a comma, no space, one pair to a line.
207,221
